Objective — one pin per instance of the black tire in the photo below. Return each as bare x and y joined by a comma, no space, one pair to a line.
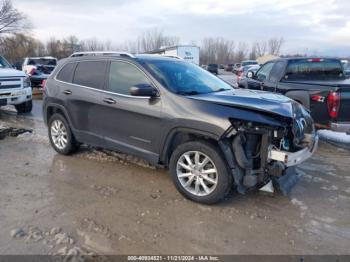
25,107
224,178
71,144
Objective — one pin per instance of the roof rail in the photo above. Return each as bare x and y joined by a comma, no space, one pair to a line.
101,53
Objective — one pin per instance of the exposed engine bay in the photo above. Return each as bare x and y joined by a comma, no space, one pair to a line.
259,154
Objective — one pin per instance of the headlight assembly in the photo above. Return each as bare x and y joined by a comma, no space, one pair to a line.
26,82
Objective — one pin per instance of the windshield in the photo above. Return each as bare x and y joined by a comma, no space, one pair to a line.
314,69
42,61
4,63
186,78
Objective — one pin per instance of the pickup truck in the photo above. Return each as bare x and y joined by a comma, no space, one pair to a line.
15,88
39,68
319,84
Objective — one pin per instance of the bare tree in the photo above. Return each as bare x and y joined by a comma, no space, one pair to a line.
154,39
217,50
241,52
18,46
260,48
275,45
11,20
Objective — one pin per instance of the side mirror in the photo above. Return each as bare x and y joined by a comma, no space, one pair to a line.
143,90
250,74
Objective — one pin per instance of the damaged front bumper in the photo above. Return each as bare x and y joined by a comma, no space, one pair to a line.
292,159
289,177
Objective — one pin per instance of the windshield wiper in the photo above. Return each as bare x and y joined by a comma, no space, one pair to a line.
221,89
187,93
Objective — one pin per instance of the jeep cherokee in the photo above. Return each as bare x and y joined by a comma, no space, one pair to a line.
174,114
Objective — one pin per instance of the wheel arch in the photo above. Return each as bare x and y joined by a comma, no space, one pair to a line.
179,136
300,96
52,109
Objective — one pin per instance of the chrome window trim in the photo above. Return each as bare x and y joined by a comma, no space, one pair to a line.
104,91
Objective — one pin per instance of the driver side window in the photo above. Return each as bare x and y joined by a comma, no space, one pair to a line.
122,76
264,72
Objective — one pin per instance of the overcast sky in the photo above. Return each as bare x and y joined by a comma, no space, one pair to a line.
313,26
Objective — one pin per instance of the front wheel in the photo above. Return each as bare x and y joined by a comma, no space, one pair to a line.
25,107
200,173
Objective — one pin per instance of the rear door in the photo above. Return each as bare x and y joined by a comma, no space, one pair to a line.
82,98
130,124
261,76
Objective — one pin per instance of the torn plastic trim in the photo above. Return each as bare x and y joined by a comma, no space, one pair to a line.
225,146
293,159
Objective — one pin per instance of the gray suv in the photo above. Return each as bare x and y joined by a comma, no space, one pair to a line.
176,115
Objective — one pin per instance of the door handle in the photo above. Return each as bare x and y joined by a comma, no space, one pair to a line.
109,101
67,92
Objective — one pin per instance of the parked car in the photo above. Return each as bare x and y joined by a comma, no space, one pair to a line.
213,68
229,67
39,68
346,67
319,84
248,71
236,67
15,88
249,62
176,115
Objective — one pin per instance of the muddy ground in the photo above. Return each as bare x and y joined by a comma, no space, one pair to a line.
109,203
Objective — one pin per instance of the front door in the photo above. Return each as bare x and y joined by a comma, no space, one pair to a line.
261,77
131,124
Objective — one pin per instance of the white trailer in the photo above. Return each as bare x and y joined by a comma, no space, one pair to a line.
189,53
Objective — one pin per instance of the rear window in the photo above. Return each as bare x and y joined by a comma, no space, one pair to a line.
66,73
213,65
90,74
314,69
42,61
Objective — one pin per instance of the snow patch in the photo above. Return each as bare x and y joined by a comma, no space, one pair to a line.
336,137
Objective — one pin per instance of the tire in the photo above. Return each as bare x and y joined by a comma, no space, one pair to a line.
61,136
216,191
25,107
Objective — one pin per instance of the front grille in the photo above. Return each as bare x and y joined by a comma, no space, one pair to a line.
9,83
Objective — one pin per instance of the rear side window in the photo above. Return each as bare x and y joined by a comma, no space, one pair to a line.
66,73
314,69
122,76
90,74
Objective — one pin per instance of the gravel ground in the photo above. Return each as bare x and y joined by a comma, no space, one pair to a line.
101,202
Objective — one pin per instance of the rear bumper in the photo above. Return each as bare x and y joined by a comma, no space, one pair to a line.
292,159
341,127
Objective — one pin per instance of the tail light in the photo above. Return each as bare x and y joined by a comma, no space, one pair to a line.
333,103
31,72
43,84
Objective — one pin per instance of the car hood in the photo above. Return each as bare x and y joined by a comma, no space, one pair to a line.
252,100
9,72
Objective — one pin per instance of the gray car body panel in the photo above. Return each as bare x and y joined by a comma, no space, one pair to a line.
144,126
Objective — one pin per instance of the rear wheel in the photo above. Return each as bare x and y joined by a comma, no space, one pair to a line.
61,136
25,107
200,173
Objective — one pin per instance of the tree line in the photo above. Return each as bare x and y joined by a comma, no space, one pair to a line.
16,43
